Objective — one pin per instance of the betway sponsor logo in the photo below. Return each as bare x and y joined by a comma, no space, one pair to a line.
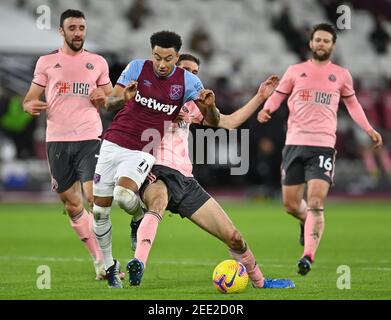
153,104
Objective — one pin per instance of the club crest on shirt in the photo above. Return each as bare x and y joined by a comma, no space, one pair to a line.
89,66
147,83
176,91
332,78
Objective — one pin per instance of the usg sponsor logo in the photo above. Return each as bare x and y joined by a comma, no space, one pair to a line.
153,104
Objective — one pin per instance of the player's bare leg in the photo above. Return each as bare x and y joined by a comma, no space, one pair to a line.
295,205
213,219
88,195
156,200
314,226
81,221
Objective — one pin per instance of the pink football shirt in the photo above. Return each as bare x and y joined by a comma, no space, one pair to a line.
173,151
68,81
314,93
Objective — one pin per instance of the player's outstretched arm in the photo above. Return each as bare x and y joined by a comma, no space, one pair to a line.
271,105
357,113
118,97
207,104
237,118
98,95
31,102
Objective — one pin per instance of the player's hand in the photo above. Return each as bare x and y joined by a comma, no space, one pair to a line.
98,97
130,91
180,117
267,87
376,138
207,97
264,116
34,107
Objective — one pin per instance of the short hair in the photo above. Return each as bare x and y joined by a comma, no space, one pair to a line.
70,13
324,27
166,39
188,57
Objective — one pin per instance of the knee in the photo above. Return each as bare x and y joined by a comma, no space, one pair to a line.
126,199
291,206
157,204
236,241
315,203
100,213
73,208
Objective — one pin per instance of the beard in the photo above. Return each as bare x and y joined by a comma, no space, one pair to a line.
321,57
75,47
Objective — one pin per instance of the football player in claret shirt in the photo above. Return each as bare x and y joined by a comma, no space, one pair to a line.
171,185
150,93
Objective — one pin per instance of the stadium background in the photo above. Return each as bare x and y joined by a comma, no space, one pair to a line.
239,43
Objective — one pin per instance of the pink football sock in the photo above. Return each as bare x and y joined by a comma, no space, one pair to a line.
82,224
313,230
385,160
369,161
146,235
248,260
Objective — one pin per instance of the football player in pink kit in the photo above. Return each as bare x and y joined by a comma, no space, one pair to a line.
314,89
171,185
153,92
67,76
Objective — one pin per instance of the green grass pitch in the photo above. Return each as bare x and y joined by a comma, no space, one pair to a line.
357,234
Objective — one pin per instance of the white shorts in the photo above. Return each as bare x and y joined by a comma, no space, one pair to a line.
115,162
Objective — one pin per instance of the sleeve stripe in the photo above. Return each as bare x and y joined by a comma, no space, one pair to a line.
38,84
101,85
120,84
287,94
348,96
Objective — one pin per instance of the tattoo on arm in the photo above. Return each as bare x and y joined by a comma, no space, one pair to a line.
114,103
213,116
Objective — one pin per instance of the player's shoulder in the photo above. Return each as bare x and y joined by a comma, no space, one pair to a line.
188,75
50,55
94,55
299,66
136,63
339,68
192,81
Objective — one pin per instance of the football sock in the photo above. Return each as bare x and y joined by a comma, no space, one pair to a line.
146,235
253,270
102,229
385,160
82,224
369,161
313,230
